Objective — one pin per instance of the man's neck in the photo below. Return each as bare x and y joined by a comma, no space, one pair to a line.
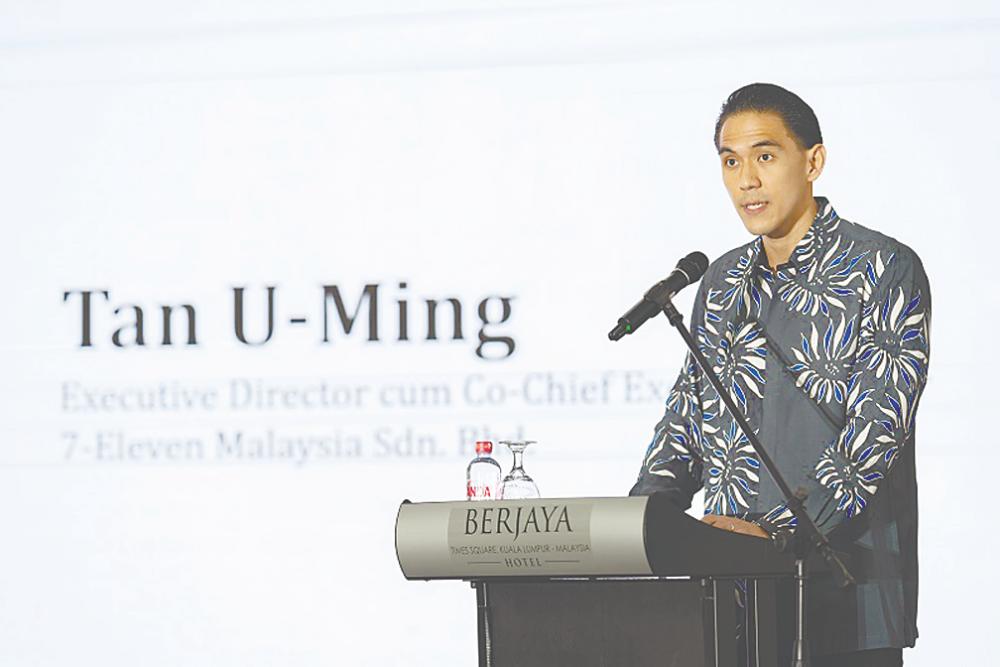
780,248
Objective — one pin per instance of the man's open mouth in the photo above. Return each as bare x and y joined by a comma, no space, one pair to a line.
755,206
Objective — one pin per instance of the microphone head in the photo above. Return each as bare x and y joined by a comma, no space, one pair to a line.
694,266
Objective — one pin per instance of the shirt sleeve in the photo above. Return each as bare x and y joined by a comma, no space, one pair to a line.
883,391
672,463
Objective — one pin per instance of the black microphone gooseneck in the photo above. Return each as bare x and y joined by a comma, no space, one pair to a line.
689,270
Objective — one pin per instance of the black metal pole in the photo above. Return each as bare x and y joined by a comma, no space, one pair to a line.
800,648
677,320
484,631
794,502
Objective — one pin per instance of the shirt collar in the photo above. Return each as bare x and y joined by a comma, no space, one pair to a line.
809,249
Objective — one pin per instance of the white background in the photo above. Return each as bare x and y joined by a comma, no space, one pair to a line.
556,152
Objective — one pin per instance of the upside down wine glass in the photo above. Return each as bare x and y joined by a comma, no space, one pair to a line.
517,484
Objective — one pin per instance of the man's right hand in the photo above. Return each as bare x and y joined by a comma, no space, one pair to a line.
735,525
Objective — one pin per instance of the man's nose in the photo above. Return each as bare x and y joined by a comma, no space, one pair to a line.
748,178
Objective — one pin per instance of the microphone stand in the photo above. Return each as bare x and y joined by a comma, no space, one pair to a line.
812,537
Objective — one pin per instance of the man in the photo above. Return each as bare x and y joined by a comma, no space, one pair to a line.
819,328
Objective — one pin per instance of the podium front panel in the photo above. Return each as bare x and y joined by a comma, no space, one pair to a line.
599,624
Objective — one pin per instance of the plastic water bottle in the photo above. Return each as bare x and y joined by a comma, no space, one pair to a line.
482,477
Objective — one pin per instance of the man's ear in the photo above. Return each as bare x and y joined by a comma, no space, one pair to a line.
815,161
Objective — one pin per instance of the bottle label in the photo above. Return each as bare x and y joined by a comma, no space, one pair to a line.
478,492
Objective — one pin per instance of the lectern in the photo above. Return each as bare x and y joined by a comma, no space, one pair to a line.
602,582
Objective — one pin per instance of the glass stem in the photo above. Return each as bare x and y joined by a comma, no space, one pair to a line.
517,460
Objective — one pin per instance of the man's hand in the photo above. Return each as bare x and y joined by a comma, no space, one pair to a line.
735,525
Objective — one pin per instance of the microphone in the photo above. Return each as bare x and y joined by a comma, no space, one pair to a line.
689,270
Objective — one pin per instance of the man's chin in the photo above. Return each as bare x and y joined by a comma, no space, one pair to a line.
756,226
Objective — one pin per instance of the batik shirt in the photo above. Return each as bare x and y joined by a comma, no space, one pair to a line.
827,357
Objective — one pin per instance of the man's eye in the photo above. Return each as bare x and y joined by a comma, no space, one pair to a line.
766,157
730,162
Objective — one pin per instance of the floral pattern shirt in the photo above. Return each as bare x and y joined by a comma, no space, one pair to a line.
827,357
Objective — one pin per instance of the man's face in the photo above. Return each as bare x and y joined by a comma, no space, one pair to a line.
768,176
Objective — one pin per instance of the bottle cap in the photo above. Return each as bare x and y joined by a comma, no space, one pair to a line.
484,447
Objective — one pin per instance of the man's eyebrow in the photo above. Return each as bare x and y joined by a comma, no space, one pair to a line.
762,142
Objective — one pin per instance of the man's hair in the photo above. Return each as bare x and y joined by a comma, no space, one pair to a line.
762,97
